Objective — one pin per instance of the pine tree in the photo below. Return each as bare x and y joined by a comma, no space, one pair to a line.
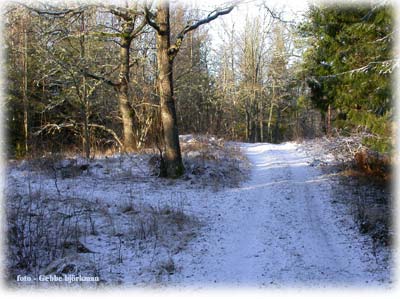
349,65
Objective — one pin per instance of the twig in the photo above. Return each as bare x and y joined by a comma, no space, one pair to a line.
55,180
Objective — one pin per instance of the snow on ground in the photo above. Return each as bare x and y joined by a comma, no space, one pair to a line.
277,229
280,229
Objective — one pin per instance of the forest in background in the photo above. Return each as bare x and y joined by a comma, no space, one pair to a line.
86,79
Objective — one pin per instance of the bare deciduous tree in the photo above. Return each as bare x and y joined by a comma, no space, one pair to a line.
166,53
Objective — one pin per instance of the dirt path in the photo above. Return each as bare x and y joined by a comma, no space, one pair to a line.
278,229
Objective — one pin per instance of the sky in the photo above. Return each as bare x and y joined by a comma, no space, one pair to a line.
291,11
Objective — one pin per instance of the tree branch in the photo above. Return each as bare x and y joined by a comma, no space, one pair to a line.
122,14
57,127
274,15
388,65
56,13
100,78
53,127
104,128
149,16
174,49
138,29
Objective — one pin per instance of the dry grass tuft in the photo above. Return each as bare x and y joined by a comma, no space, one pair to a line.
212,162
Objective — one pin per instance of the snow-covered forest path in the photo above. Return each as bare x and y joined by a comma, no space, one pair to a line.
278,229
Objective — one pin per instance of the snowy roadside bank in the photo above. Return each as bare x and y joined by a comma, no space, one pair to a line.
111,218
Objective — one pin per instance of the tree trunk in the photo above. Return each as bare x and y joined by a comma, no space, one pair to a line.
123,96
173,166
247,126
255,115
277,135
86,128
328,125
172,159
261,123
84,96
270,113
25,88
